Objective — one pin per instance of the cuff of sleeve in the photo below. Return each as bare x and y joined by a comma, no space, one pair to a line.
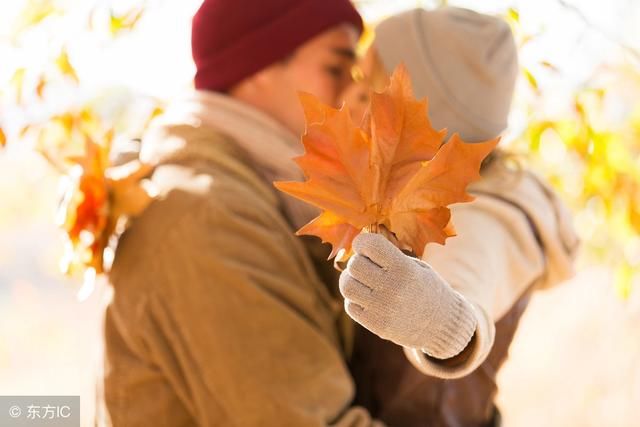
456,329
484,337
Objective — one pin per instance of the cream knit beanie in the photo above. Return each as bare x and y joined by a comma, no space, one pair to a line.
464,62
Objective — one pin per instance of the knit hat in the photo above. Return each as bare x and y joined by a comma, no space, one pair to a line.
233,39
466,64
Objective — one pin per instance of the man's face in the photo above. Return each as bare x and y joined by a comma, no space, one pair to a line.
321,67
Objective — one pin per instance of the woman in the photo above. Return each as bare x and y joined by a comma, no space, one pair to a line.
514,238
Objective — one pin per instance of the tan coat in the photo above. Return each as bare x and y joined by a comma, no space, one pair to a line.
219,317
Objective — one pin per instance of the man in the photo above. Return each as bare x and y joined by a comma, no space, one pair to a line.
221,315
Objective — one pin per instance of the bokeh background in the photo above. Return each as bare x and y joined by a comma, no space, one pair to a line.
575,360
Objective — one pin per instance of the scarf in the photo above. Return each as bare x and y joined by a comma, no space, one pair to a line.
270,146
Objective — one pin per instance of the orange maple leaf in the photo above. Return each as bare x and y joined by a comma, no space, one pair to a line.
394,171
97,196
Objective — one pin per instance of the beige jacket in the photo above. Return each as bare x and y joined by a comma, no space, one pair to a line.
219,317
515,235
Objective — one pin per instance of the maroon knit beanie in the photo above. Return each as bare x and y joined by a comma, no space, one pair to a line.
234,39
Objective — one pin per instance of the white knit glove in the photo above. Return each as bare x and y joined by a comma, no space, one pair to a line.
401,299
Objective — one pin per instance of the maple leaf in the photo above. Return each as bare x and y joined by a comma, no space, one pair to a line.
96,198
83,211
127,21
17,82
394,172
64,65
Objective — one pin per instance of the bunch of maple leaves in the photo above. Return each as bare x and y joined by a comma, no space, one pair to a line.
394,173
96,199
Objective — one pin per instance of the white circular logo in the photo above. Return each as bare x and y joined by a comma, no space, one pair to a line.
15,411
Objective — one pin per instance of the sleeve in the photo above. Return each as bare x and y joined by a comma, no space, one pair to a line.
228,327
491,261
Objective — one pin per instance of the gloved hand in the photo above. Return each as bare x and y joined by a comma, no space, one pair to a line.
402,299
